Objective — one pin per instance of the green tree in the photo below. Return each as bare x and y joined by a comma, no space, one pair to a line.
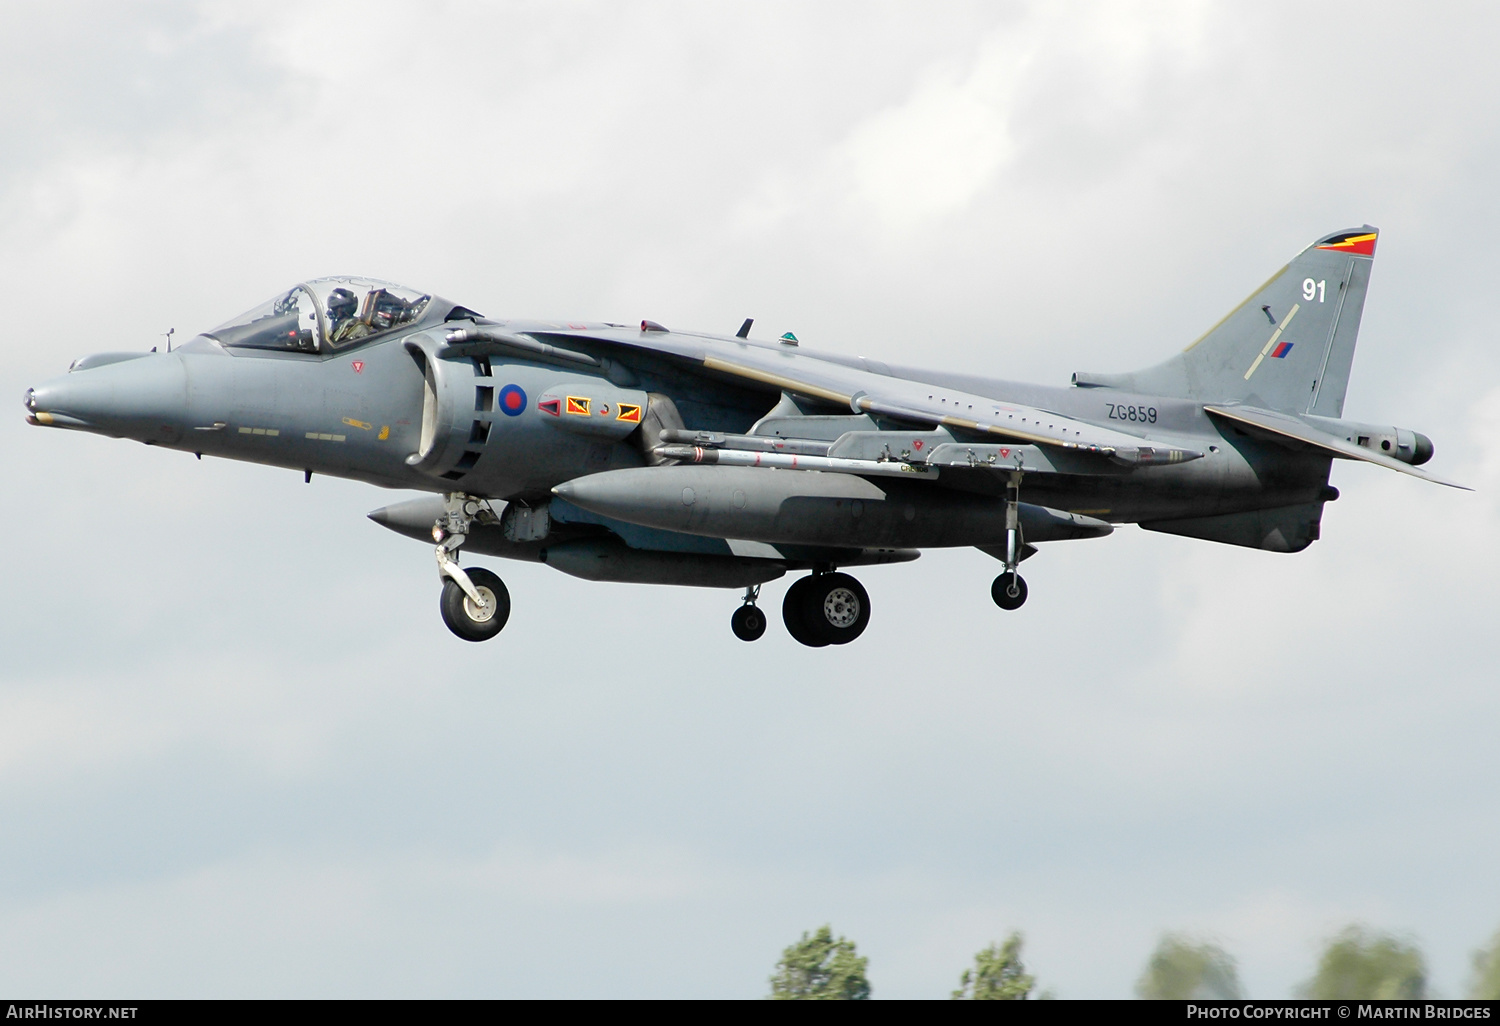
1362,963
1181,968
998,975
1486,985
820,968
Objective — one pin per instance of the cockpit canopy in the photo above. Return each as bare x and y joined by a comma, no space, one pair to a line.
322,315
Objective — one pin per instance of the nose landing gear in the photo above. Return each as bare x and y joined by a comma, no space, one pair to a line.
475,603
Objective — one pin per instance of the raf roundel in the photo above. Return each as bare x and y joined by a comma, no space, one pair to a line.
512,401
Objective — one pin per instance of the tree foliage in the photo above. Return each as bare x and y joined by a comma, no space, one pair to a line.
1181,968
998,974
1360,963
1486,984
820,968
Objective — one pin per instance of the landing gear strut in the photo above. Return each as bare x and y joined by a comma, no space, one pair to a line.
748,622
1009,590
826,609
475,603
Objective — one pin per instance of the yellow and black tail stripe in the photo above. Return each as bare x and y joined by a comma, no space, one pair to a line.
1359,243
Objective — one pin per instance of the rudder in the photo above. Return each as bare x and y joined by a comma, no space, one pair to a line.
1289,346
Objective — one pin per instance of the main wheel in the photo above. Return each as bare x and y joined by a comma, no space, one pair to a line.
476,622
748,623
1009,591
836,608
794,612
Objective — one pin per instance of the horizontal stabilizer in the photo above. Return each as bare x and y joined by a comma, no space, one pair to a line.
1285,426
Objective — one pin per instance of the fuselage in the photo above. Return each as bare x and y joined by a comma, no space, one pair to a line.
359,413
638,454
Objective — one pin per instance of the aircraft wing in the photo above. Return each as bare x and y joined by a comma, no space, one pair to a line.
1285,426
866,391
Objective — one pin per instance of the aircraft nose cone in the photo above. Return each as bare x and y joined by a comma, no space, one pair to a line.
143,398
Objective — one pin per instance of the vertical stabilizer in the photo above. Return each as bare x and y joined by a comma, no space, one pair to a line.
1287,347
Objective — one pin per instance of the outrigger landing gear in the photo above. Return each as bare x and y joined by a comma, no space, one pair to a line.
826,609
1009,590
748,622
475,603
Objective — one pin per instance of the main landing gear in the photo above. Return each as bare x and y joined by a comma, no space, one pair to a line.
475,603
826,609
822,608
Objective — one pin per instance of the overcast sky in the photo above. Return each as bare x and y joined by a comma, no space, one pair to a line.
241,755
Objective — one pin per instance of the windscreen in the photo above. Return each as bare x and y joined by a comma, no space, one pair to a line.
289,322
329,313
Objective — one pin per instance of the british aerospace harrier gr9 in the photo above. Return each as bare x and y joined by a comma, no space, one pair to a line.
635,453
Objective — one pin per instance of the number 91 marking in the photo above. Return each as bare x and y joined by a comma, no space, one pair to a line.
1312,288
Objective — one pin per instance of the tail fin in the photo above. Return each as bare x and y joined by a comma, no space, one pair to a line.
1288,347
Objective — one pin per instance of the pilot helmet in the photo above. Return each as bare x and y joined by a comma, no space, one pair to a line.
341,304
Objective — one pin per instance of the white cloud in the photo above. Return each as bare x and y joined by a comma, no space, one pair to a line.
939,149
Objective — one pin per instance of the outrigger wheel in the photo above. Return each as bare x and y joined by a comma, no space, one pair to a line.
1009,590
748,623
826,609
476,622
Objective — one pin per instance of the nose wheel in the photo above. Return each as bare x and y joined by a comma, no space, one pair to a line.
748,622
471,620
826,609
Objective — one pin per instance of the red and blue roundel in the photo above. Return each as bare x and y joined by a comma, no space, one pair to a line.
512,401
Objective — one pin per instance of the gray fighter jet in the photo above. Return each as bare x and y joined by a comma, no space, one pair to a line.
635,453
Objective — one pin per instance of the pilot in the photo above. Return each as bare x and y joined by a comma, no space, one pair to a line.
343,326
341,306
